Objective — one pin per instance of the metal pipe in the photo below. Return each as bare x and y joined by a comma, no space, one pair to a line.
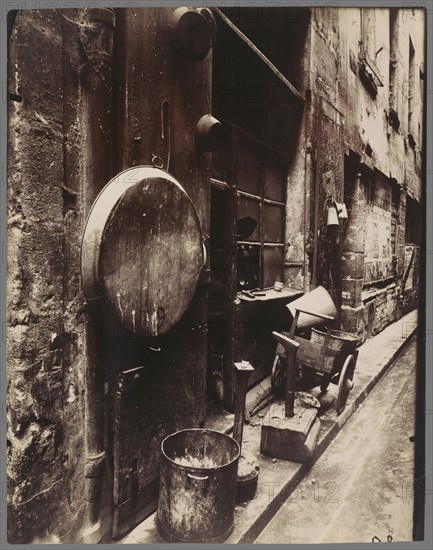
308,167
315,230
95,112
307,186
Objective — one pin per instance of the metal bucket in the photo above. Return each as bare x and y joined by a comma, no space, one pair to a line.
197,486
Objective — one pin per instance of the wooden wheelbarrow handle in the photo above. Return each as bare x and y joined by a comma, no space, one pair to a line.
291,347
243,370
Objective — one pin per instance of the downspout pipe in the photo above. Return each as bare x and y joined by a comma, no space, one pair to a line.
94,464
307,191
96,114
309,278
316,229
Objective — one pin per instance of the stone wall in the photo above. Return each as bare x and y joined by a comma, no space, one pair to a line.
44,315
372,316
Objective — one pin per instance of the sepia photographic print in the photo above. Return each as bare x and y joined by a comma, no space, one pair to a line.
215,267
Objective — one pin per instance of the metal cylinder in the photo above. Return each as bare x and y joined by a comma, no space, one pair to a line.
197,486
317,301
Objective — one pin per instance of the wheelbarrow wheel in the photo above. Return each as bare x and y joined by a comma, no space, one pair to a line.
345,383
278,376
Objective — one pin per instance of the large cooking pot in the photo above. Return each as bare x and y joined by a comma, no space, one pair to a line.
197,486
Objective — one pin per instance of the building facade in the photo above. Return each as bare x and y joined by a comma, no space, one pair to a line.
318,108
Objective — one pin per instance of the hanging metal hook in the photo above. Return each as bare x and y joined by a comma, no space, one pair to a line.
165,128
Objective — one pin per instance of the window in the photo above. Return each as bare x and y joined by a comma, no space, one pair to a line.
262,111
260,214
256,176
413,222
369,51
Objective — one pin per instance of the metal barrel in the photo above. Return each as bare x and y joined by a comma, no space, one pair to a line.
197,486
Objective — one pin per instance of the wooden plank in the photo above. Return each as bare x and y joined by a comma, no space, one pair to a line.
291,350
309,355
406,275
136,480
291,347
274,202
248,195
294,324
231,270
243,371
219,184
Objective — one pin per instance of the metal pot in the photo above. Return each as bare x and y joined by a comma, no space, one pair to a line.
197,486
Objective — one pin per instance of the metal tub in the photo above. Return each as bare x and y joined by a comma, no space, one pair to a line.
197,486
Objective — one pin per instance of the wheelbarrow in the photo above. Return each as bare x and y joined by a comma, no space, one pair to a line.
330,353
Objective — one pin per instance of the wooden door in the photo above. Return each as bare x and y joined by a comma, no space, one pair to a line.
157,385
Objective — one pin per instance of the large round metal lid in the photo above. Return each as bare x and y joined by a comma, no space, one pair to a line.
142,250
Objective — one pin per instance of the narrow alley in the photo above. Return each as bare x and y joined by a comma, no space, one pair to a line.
361,487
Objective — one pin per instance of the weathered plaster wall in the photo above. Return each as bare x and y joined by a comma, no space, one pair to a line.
388,157
299,180
367,113
327,93
378,263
